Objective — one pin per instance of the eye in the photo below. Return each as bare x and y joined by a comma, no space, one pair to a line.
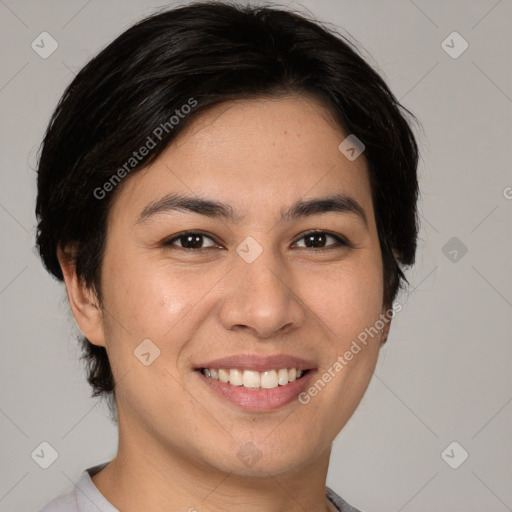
318,239
191,240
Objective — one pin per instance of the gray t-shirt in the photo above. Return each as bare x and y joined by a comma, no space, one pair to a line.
86,497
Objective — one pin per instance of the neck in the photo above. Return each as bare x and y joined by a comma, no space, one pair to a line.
146,476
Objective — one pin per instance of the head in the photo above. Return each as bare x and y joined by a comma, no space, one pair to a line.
205,200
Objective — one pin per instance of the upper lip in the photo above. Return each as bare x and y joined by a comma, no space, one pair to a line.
258,363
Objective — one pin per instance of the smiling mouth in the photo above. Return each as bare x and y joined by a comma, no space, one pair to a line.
252,379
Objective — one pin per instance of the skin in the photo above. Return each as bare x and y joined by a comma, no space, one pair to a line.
178,442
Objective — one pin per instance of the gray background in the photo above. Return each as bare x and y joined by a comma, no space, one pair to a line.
444,374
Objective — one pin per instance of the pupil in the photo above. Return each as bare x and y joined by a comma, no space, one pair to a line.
189,240
195,241
310,238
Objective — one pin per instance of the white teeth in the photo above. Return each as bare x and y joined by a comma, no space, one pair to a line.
268,379
235,377
251,379
282,376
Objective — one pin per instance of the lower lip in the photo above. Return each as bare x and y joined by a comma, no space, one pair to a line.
258,399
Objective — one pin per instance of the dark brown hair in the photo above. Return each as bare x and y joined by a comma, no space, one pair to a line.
211,52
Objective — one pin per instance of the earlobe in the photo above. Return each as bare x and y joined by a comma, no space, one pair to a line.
82,299
387,325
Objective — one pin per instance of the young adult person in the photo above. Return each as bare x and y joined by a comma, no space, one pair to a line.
229,194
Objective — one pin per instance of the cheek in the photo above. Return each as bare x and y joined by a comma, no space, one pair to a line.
145,302
148,299
348,299
156,301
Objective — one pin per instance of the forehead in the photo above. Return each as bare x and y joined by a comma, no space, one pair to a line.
253,154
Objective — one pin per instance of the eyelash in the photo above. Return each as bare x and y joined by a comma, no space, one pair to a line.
341,241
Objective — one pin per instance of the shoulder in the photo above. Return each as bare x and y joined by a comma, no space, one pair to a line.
62,503
85,497
339,502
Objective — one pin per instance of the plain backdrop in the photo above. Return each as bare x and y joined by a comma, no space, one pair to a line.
444,375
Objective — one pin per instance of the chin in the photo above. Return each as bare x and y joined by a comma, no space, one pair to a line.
264,458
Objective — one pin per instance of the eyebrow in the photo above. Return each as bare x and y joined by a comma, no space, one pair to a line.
339,203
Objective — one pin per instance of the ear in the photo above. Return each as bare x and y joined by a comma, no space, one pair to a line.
387,325
83,300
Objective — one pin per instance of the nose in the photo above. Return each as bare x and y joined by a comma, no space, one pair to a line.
261,298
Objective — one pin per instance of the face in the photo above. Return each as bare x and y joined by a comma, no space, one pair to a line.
269,280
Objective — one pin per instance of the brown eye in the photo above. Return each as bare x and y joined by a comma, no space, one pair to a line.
190,240
319,239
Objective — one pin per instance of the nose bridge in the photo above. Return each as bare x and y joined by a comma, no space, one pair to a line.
260,297
257,277
261,275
